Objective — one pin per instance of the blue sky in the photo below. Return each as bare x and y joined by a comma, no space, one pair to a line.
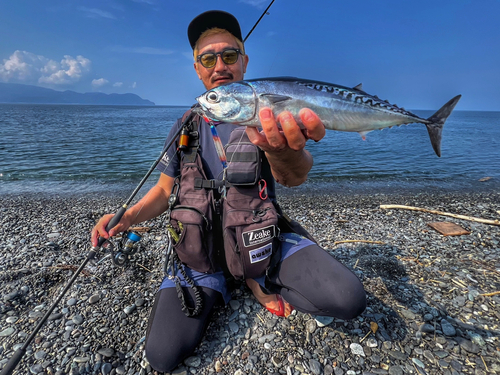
417,54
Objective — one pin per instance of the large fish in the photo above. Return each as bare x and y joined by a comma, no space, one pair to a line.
339,108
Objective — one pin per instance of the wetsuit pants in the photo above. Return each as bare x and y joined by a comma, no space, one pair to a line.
311,280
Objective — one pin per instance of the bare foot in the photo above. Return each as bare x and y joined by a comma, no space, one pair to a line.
267,300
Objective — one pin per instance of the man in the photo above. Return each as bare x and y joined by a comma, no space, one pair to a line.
326,288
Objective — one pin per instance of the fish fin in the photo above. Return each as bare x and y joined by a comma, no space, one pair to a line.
274,98
436,123
363,134
358,87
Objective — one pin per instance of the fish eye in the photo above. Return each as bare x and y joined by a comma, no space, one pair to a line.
212,97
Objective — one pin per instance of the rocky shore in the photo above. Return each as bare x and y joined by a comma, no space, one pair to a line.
433,300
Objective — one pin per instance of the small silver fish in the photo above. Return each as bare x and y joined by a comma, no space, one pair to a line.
339,108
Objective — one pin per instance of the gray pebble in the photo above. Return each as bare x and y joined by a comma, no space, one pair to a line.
395,370
180,371
315,366
447,328
441,354
235,304
408,314
106,352
129,309
36,369
428,317
323,321
192,361
7,332
426,328
311,325
468,345
81,359
106,368
10,296
78,319
477,339
418,362
234,327
40,355
357,349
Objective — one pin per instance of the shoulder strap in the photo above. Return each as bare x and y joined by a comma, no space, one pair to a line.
190,151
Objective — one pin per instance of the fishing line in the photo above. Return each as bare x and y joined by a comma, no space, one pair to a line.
254,26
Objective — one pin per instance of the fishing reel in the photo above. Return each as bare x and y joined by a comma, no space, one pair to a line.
121,249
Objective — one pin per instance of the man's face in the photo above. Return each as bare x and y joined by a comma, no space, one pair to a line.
220,73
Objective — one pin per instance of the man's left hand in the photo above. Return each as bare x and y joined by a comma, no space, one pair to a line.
274,138
284,145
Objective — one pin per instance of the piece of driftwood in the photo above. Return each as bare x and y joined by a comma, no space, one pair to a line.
448,229
463,217
490,294
365,241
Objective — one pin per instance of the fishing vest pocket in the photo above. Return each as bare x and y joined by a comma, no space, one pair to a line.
250,232
243,159
191,219
194,244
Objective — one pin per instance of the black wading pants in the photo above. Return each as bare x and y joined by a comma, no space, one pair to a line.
311,280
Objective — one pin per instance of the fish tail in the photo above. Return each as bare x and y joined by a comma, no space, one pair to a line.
436,123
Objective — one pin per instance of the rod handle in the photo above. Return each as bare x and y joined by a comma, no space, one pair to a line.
13,362
114,220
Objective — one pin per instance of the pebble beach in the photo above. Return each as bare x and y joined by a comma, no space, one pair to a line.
433,300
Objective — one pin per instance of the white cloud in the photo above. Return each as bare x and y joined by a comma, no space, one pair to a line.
150,2
23,66
26,67
68,71
96,13
96,83
144,50
118,84
134,85
255,3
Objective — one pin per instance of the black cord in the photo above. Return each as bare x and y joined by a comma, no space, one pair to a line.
198,303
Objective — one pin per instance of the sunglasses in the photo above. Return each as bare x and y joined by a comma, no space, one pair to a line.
228,56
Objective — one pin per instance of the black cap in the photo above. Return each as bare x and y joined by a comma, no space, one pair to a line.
211,19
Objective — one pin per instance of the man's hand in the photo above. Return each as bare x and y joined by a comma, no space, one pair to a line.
100,228
284,144
290,135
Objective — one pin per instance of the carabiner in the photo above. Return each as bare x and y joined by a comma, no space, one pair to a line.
263,189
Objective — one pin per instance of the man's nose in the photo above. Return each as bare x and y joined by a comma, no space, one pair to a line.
220,65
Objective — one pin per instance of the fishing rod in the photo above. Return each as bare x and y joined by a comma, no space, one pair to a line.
256,23
183,130
19,353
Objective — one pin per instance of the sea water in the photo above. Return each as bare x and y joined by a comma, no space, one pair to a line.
86,149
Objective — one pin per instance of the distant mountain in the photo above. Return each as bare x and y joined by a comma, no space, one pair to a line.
17,93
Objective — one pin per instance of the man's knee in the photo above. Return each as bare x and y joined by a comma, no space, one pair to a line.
162,359
354,305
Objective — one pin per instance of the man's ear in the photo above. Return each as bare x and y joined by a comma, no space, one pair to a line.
245,63
197,72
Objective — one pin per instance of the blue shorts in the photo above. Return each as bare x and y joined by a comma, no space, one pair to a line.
291,243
